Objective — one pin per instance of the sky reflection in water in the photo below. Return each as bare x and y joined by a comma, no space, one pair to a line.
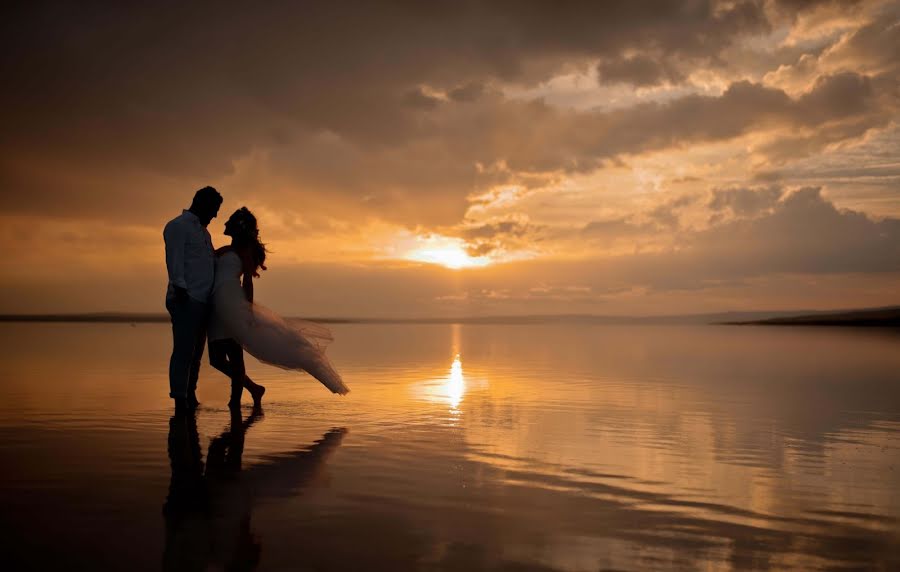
463,448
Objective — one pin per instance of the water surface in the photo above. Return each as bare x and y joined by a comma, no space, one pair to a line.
468,447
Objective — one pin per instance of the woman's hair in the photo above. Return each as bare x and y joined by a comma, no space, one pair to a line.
246,234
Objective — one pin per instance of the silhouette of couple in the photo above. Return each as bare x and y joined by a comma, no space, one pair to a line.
210,295
209,506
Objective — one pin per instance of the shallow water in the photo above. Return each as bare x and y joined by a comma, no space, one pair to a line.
460,448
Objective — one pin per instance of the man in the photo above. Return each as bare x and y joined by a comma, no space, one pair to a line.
190,260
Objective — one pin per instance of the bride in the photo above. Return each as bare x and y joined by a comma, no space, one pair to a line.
238,323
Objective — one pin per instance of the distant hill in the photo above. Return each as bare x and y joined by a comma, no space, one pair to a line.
877,317
867,317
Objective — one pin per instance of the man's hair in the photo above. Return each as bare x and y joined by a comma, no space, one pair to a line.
207,196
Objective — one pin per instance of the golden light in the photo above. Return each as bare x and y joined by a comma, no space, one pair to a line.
449,388
456,383
446,251
451,257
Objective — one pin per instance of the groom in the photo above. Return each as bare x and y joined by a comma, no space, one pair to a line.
190,260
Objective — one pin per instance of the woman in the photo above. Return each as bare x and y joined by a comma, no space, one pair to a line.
237,323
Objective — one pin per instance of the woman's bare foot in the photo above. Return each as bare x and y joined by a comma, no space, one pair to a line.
256,391
257,394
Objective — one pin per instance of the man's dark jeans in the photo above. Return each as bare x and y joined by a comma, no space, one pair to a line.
189,320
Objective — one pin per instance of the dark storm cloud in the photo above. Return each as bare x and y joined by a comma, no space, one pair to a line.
427,180
437,159
467,92
803,233
877,44
744,201
546,138
612,228
492,230
800,233
608,232
419,99
794,6
667,214
484,239
640,70
102,97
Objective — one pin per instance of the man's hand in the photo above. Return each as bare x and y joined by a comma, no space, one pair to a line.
181,294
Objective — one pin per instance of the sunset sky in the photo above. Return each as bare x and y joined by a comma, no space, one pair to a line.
459,158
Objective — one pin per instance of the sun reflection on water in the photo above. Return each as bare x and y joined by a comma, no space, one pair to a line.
448,389
456,384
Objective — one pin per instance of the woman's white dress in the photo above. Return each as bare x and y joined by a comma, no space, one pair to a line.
297,345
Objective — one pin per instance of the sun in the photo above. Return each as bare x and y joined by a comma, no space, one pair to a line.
450,256
448,252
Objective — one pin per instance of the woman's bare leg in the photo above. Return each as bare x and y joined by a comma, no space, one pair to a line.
227,356
239,377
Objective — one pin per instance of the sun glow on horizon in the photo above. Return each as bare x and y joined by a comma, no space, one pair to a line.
447,252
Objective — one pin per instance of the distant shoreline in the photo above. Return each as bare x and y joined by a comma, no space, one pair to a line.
874,317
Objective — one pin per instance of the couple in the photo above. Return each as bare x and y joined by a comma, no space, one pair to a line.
211,294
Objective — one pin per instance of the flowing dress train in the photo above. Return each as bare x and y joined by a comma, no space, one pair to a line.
295,345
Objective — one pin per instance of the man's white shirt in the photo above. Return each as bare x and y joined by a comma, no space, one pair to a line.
190,257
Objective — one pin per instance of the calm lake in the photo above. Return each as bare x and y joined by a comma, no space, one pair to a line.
461,447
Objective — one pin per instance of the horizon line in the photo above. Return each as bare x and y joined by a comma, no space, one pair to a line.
157,317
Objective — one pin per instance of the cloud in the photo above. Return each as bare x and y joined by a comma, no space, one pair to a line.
864,45
640,70
804,233
503,235
770,231
419,98
667,213
470,91
430,176
580,141
102,100
744,202
611,229
334,119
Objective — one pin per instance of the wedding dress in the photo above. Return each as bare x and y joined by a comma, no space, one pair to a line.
297,345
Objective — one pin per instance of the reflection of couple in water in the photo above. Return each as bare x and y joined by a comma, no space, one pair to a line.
209,505
210,294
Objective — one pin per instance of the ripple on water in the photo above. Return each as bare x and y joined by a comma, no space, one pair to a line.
470,448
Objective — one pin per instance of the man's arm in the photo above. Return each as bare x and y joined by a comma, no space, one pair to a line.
175,236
